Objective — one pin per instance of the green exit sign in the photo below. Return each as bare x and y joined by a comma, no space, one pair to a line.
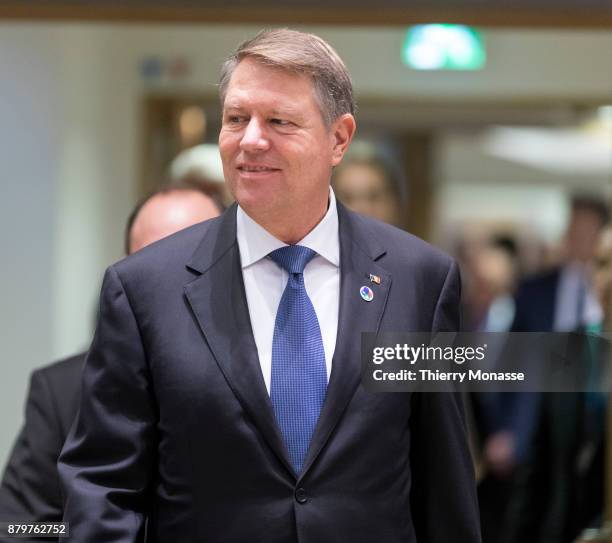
444,47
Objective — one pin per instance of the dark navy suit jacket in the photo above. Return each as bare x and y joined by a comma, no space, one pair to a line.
517,412
536,302
176,424
30,489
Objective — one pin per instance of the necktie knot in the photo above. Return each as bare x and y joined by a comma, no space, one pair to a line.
292,258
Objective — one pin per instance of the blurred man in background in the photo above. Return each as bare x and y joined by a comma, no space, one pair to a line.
165,212
562,299
490,280
602,276
200,167
366,183
30,489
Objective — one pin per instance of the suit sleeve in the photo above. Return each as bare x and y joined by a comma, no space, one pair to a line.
106,466
30,489
443,493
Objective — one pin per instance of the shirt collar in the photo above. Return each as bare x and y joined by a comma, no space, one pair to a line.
255,242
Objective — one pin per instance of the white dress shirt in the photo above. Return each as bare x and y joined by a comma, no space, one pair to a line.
265,281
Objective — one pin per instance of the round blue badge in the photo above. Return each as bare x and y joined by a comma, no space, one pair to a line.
366,293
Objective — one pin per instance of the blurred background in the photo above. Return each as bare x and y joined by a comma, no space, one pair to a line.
487,130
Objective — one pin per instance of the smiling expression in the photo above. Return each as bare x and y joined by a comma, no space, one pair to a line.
276,150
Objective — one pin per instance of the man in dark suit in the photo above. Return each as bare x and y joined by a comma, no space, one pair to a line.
561,299
30,489
223,397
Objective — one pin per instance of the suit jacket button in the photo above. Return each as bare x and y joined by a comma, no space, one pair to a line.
301,496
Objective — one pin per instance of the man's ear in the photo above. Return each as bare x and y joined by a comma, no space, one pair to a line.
342,130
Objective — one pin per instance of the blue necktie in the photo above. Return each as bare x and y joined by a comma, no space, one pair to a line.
299,375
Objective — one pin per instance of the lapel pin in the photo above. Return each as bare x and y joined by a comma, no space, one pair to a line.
375,279
366,293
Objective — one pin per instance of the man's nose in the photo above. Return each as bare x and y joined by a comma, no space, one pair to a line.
255,137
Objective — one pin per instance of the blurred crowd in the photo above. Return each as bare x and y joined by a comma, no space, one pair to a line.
539,457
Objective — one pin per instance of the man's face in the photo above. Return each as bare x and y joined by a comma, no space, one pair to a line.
165,214
582,235
277,152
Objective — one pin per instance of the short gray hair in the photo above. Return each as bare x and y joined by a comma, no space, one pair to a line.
300,53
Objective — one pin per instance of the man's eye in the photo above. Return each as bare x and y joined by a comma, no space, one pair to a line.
280,122
234,119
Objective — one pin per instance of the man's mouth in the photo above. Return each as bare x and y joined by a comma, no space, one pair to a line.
253,168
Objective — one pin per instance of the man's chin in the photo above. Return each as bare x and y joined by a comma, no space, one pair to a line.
257,206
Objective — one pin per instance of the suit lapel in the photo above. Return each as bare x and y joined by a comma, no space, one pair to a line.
358,253
218,300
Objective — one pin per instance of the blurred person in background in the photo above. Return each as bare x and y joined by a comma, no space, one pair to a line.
30,488
559,489
559,300
490,274
165,212
367,183
562,299
200,167
490,289
602,276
